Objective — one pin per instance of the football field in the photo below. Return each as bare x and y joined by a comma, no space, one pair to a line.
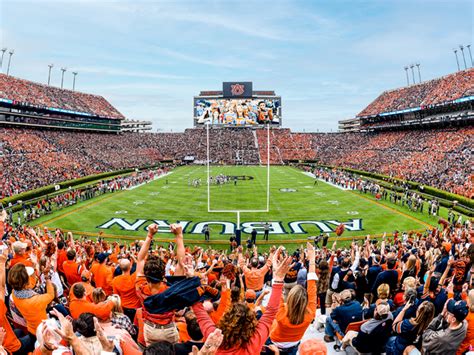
298,208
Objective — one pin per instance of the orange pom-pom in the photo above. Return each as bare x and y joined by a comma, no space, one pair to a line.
340,229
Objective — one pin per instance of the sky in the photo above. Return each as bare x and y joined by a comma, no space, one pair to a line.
326,59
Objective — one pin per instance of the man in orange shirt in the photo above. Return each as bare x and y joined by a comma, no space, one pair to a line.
124,286
254,277
80,304
62,256
19,248
71,269
86,282
102,273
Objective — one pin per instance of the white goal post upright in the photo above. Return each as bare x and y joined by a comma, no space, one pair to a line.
237,211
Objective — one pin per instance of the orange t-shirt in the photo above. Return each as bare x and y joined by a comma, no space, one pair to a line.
89,289
101,310
73,271
33,309
183,332
282,330
21,259
103,277
222,308
143,292
124,286
254,278
11,342
469,339
62,257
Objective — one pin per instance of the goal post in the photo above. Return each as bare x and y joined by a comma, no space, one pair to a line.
238,211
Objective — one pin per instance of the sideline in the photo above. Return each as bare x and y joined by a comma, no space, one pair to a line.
326,182
144,183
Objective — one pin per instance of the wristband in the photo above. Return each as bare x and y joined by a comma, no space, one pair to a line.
47,348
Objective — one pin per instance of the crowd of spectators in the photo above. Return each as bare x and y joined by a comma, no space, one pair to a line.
432,92
32,94
406,294
436,157
28,211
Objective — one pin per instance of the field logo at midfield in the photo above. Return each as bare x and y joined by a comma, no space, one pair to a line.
228,228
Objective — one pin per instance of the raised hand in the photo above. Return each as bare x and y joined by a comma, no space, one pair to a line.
48,338
176,229
152,230
66,332
280,267
107,345
310,252
213,341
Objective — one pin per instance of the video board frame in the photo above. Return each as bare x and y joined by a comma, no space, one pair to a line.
217,118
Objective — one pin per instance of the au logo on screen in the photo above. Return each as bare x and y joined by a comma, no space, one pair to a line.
237,89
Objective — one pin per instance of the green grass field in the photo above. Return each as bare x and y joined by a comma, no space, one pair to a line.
125,214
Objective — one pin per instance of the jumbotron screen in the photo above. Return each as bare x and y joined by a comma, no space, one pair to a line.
231,112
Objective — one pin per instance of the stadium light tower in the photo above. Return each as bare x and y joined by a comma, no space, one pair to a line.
49,73
461,47
457,60
408,78
74,73
62,76
419,74
1,59
412,72
9,61
470,54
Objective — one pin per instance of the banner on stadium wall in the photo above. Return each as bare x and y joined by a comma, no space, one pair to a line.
228,228
238,89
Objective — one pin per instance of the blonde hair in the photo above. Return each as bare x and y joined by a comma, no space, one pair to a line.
98,295
383,291
117,303
424,316
409,282
411,262
297,302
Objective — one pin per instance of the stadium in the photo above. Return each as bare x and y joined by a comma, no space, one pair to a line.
239,234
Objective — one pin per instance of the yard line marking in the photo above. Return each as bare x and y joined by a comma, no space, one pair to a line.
79,209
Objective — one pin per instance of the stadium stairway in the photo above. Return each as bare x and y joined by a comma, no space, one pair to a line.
256,146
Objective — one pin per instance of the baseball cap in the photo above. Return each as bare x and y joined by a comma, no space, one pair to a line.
447,246
19,246
383,309
201,265
250,295
313,347
458,309
102,256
